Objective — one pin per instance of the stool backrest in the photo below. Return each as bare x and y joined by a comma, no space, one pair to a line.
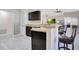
74,29
63,28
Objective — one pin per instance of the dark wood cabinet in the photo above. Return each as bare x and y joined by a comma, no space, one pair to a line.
28,30
38,40
35,15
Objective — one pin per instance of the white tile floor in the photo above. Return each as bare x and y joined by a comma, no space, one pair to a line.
18,42
22,42
76,43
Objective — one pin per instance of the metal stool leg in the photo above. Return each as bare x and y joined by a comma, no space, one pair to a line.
72,46
58,45
64,46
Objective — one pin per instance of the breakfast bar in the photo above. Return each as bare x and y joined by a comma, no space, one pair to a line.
51,34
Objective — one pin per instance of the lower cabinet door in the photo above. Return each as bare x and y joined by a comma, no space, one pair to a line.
38,40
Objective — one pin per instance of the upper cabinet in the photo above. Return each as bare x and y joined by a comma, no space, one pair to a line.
34,16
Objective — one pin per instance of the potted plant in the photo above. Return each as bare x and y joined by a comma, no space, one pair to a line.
51,21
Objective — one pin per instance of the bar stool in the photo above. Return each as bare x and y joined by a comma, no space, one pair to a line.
68,40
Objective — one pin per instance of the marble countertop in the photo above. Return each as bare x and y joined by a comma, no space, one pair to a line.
39,29
41,25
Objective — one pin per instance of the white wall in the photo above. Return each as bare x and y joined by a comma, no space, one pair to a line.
45,14
71,20
73,15
16,22
23,21
9,17
6,21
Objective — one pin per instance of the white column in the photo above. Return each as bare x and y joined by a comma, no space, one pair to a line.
52,38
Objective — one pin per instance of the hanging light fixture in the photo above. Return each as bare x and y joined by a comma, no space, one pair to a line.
58,11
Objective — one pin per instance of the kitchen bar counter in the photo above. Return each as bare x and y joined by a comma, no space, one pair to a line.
51,34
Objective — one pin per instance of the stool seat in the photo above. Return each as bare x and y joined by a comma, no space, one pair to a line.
66,40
